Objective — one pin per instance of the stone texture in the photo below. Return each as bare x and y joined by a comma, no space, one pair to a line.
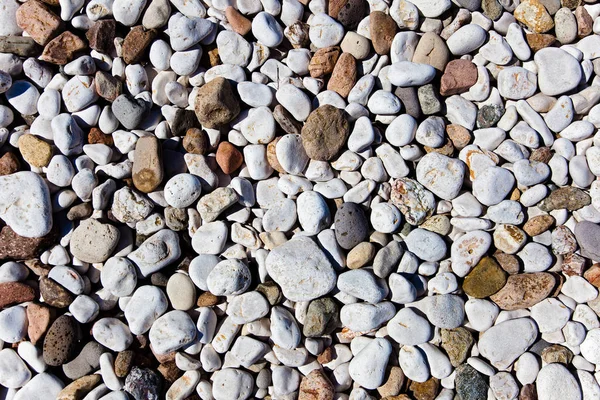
101,35
34,150
325,132
316,386
383,30
343,76
459,76
524,290
38,21
136,42
60,341
15,247
216,104
9,164
62,49
12,293
147,170
485,279
568,197
228,157
323,61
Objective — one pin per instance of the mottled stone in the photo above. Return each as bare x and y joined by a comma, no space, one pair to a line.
485,279
524,290
135,43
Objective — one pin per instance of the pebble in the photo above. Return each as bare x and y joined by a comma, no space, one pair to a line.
104,238
547,383
441,174
172,331
351,225
368,367
409,328
301,279
537,285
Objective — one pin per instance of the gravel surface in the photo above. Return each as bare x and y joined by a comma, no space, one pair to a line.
349,200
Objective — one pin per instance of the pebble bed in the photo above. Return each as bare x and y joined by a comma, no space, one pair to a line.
310,200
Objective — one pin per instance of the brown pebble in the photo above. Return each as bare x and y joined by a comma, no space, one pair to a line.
238,22
541,154
101,35
195,141
538,224
38,21
325,132
15,247
458,77
326,356
316,386
427,390
9,164
593,275
60,341
228,157
147,169
207,299
335,6
35,151
557,354
107,86
538,41
485,279
169,371
585,22
508,262
62,48
79,388
135,43
573,264
12,293
393,383
459,135
216,104
96,136
39,321
343,76
37,267
54,294
80,211
447,149
524,290
323,61
528,392
272,155
383,30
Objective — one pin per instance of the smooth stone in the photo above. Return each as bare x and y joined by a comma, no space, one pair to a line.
172,331
503,343
301,278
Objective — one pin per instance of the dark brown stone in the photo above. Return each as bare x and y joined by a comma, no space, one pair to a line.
9,164
216,103
427,390
459,76
325,132
80,211
383,30
101,35
136,42
61,340
96,136
54,294
15,247
183,121
541,154
352,13
196,141
123,363
169,371
528,392
62,48
12,293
